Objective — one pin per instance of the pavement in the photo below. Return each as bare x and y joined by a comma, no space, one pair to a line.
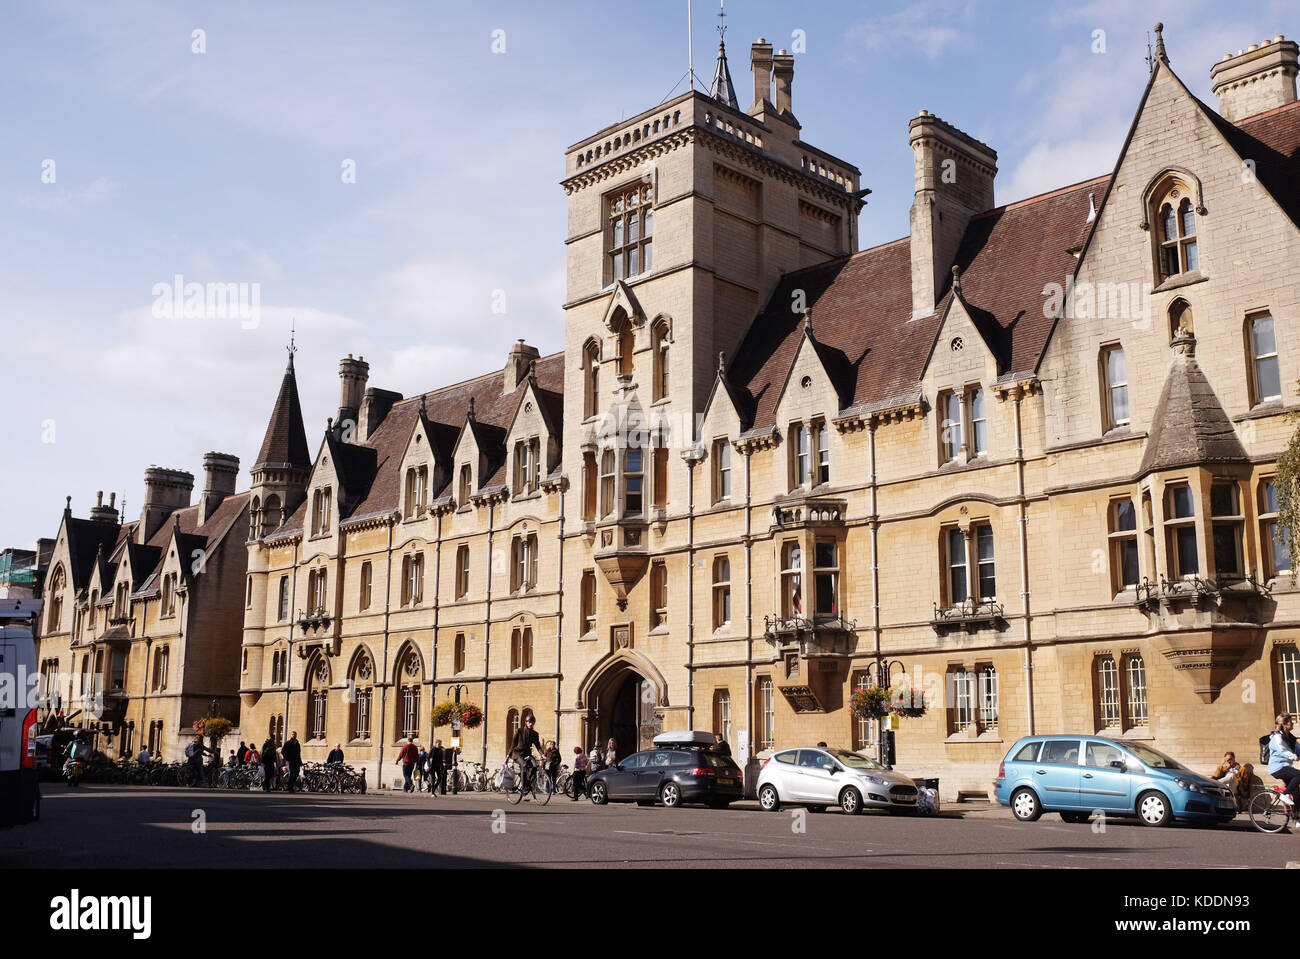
116,826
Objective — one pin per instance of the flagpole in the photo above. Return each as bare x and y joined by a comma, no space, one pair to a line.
690,45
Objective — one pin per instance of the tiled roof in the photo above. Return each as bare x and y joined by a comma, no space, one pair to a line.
1272,140
861,306
286,440
446,410
1189,426
85,540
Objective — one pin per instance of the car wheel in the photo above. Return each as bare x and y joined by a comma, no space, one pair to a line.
1025,805
1074,816
768,801
1153,809
599,793
671,795
851,801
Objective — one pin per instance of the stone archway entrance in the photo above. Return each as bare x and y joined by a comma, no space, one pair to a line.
624,707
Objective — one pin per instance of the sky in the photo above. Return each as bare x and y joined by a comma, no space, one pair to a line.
386,177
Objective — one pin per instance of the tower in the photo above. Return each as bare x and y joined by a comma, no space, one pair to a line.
283,464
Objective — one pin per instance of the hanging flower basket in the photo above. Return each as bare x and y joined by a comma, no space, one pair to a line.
908,703
213,727
870,703
470,715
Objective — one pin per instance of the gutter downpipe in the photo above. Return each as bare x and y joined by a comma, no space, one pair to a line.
1023,520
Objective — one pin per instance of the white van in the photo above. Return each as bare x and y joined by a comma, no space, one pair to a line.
20,797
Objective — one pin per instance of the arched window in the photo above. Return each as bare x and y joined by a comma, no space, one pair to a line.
318,678
363,677
521,648
591,378
458,654
466,480
721,591
512,725
659,336
57,583
1135,688
1288,679
1181,323
409,677
1107,689
271,515
1173,216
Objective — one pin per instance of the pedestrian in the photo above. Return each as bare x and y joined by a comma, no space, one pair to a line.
194,757
269,764
450,756
143,758
335,758
551,763
611,753
580,763
437,769
720,745
421,761
597,759
292,753
406,758
241,753
252,757
232,760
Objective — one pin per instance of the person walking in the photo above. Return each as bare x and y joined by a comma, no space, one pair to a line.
143,758
194,757
270,762
292,752
241,753
252,757
720,745
580,763
335,758
437,771
551,763
611,753
417,776
449,760
406,758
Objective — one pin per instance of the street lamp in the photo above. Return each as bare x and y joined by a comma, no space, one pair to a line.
455,733
879,674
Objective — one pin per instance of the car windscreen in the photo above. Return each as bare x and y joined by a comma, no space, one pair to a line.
1153,757
853,760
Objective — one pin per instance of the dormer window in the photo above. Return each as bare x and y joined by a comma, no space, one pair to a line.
527,478
1173,215
466,477
320,512
629,231
416,492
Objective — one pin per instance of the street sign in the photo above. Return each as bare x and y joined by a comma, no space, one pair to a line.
455,742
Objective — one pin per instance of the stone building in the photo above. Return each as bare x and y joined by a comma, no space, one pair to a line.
142,622
1019,460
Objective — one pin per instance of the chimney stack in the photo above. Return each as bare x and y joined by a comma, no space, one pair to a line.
165,491
518,363
353,375
954,181
760,61
1259,78
101,513
375,407
783,73
220,473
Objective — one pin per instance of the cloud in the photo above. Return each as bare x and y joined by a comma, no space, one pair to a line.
930,26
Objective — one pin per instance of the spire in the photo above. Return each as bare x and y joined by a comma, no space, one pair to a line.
286,440
722,89
1161,55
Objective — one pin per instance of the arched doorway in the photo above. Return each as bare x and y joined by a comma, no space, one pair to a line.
625,709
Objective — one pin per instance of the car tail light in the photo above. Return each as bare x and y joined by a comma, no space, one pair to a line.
1002,770
29,741
765,762
704,771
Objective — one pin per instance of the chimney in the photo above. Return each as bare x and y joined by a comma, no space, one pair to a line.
220,471
374,408
353,375
101,513
760,61
165,491
954,181
783,73
1259,78
518,363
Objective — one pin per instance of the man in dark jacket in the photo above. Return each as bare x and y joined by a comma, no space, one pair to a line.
292,751
526,740
720,745
437,771
270,762
240,753
335,758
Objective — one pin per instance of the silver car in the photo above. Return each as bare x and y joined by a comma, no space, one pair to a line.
818,777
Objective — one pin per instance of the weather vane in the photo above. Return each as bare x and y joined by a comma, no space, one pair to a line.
293,323
722,21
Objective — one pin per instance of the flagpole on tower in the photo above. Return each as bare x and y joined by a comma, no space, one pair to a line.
690,44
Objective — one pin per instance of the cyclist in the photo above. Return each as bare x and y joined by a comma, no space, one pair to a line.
1281,754
526,740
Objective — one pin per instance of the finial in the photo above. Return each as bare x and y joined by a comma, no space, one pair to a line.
292,348
471,407
956,278
532,370
1161,55
423,409
329,424
67,506
807,320
722,363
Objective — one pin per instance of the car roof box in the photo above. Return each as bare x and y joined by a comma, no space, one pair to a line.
683,738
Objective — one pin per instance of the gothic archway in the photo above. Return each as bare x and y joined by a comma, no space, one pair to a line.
623,696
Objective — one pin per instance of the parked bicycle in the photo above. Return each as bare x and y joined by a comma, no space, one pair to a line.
1269,812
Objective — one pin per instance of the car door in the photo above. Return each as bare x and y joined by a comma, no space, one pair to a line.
782,773
816,779
1056,774
652,773
1101,785
621,780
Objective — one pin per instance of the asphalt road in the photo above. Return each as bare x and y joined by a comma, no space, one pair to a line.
107,826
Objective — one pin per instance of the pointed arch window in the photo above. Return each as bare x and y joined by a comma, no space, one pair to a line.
1174,219
57,584
662,346
591,379
629,231
409,678
363,677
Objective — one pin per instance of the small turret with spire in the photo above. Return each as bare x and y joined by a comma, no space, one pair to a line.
722,90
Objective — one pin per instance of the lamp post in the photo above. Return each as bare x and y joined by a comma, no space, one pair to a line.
455,734
879,674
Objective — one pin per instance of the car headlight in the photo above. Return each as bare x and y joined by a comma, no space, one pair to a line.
874,779
1190,786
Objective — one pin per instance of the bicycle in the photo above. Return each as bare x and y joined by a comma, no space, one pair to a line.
529,780
1269,812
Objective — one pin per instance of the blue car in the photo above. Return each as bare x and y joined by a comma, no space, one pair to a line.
1078,776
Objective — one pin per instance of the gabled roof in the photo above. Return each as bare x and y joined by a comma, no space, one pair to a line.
86,539
286,440
1271,140
1189,426
354,465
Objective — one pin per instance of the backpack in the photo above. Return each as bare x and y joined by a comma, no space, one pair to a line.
1263,749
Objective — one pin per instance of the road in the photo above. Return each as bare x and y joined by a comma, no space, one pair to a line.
108,826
